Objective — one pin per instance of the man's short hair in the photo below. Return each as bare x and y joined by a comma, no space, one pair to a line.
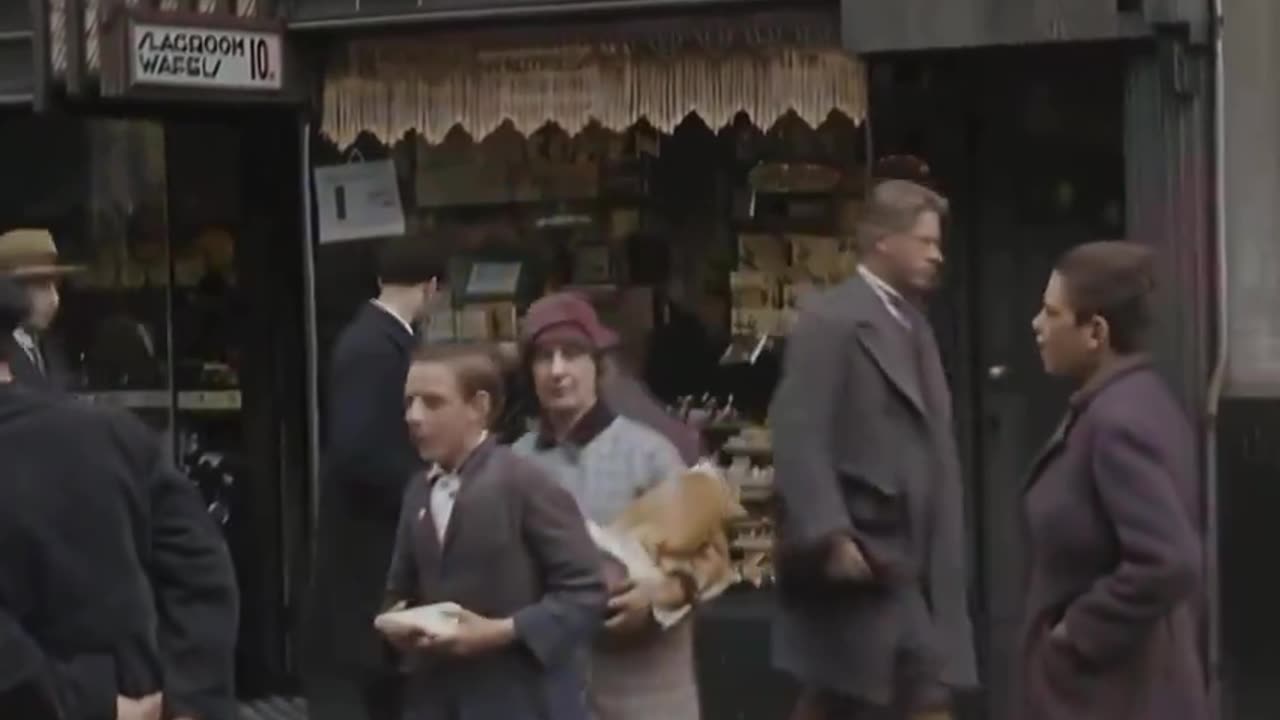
477,367
1113,280
409,261
15,304
893,207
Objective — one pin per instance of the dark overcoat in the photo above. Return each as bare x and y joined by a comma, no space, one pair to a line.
516,546
1114,517
368,459
863,446
56,375
113,578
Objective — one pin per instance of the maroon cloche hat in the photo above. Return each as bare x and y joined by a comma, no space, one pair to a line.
565,316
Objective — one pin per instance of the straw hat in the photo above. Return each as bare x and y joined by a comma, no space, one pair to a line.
31,253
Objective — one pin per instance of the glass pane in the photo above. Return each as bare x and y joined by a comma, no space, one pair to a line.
116,313
98,187
209,308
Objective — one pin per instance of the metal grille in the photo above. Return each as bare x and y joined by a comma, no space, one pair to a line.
91,44
58,36
274,708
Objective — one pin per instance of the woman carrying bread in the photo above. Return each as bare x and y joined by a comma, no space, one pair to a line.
643,665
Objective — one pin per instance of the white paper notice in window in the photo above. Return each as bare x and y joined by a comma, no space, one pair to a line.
357,201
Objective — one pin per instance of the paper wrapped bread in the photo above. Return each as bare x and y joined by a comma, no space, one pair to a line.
677,526
681,515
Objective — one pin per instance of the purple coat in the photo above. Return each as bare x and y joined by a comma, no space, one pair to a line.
1114,518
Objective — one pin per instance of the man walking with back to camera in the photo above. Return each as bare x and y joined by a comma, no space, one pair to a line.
873,621
117,594
348,669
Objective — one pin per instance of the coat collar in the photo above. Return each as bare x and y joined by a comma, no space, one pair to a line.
388,323
599,417
468,467
1077,404
1099,382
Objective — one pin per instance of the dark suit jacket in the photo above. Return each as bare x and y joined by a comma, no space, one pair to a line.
863,447
1114,518
367,461
516,546
103,549
56,375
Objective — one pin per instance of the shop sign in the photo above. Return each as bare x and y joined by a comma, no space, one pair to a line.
171,55
175,56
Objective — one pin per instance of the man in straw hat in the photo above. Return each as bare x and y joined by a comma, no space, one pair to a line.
117,595
30,257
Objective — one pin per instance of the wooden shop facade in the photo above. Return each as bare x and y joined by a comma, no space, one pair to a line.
693,165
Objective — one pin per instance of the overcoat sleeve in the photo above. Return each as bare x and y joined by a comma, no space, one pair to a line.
802,418
193,579
569,564
198,601
34,685
1159,550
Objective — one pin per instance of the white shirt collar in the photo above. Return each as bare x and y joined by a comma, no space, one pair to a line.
887,294
437,472
25,340
390,311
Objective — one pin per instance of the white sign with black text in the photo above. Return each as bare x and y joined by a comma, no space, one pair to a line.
358,200
218,59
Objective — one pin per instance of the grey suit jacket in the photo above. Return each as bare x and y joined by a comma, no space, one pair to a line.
864,447
516,546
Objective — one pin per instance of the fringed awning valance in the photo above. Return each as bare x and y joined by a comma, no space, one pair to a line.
390,88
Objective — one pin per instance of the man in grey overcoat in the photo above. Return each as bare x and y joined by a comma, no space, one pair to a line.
873,620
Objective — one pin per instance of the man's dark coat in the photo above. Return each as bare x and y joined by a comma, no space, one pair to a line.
1114,516
367,461
113,578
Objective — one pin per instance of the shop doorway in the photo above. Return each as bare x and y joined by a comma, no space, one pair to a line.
1028,146
188,312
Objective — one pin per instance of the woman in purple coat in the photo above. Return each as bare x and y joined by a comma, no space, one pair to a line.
1113,512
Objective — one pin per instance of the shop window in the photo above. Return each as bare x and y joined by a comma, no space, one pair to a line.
99,188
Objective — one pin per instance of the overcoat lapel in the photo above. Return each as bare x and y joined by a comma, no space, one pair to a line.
875,330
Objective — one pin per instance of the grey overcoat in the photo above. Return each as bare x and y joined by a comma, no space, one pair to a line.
864,447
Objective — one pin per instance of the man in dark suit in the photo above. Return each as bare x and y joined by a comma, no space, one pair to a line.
30,257
873,620
368,460
117,596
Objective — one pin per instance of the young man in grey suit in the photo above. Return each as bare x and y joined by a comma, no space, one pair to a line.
873,621
492,532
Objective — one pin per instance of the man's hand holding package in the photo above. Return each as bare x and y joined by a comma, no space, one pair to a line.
845,561
475,635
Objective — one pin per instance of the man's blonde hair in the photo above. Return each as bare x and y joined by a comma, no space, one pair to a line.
893,207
